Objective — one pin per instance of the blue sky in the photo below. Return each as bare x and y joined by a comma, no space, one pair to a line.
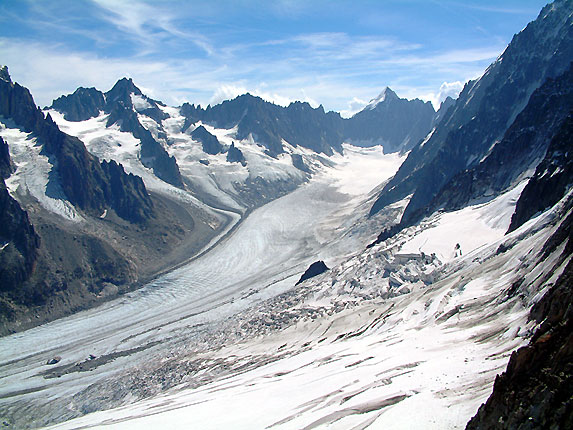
337,53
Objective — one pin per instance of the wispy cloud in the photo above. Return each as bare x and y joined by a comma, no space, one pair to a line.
147,25
54,70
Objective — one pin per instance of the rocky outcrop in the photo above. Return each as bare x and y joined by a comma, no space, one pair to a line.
123,103
393,122
315,269
5,163
84,103
270,124
152,154
443,110
128,94
210,143
484,110
298,162
553,177
523,146
19,242
235,155
536,390
120,189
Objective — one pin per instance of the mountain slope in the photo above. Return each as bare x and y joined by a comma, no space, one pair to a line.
552,179
395,123
520,151
484,110
81,176
536,390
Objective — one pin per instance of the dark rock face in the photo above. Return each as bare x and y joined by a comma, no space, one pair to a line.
299,163
84,103
122,93
443,110
398,123
4,74
484,110
523,146
299,124
81,175
210,142
552,179
235,155
536,390
313,270
119,105
122,187
18,240
5,163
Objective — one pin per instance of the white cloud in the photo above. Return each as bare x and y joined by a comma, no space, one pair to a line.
355,105
449,89
226,92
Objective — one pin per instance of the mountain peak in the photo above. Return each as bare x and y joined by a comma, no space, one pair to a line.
122,90
4,75
386,95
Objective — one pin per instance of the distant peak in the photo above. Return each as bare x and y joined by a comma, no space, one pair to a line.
386,95
126,84
4,75
122,91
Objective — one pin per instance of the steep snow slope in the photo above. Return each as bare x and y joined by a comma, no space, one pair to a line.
32,174
377,342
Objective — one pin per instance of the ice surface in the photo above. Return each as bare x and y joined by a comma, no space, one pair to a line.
423,359
139,102
262,258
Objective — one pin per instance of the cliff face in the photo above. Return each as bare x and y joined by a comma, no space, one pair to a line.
536,390
553,177
5,163
123,102
540,133
19,243
84,103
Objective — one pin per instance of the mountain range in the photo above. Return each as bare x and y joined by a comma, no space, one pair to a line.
102,192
